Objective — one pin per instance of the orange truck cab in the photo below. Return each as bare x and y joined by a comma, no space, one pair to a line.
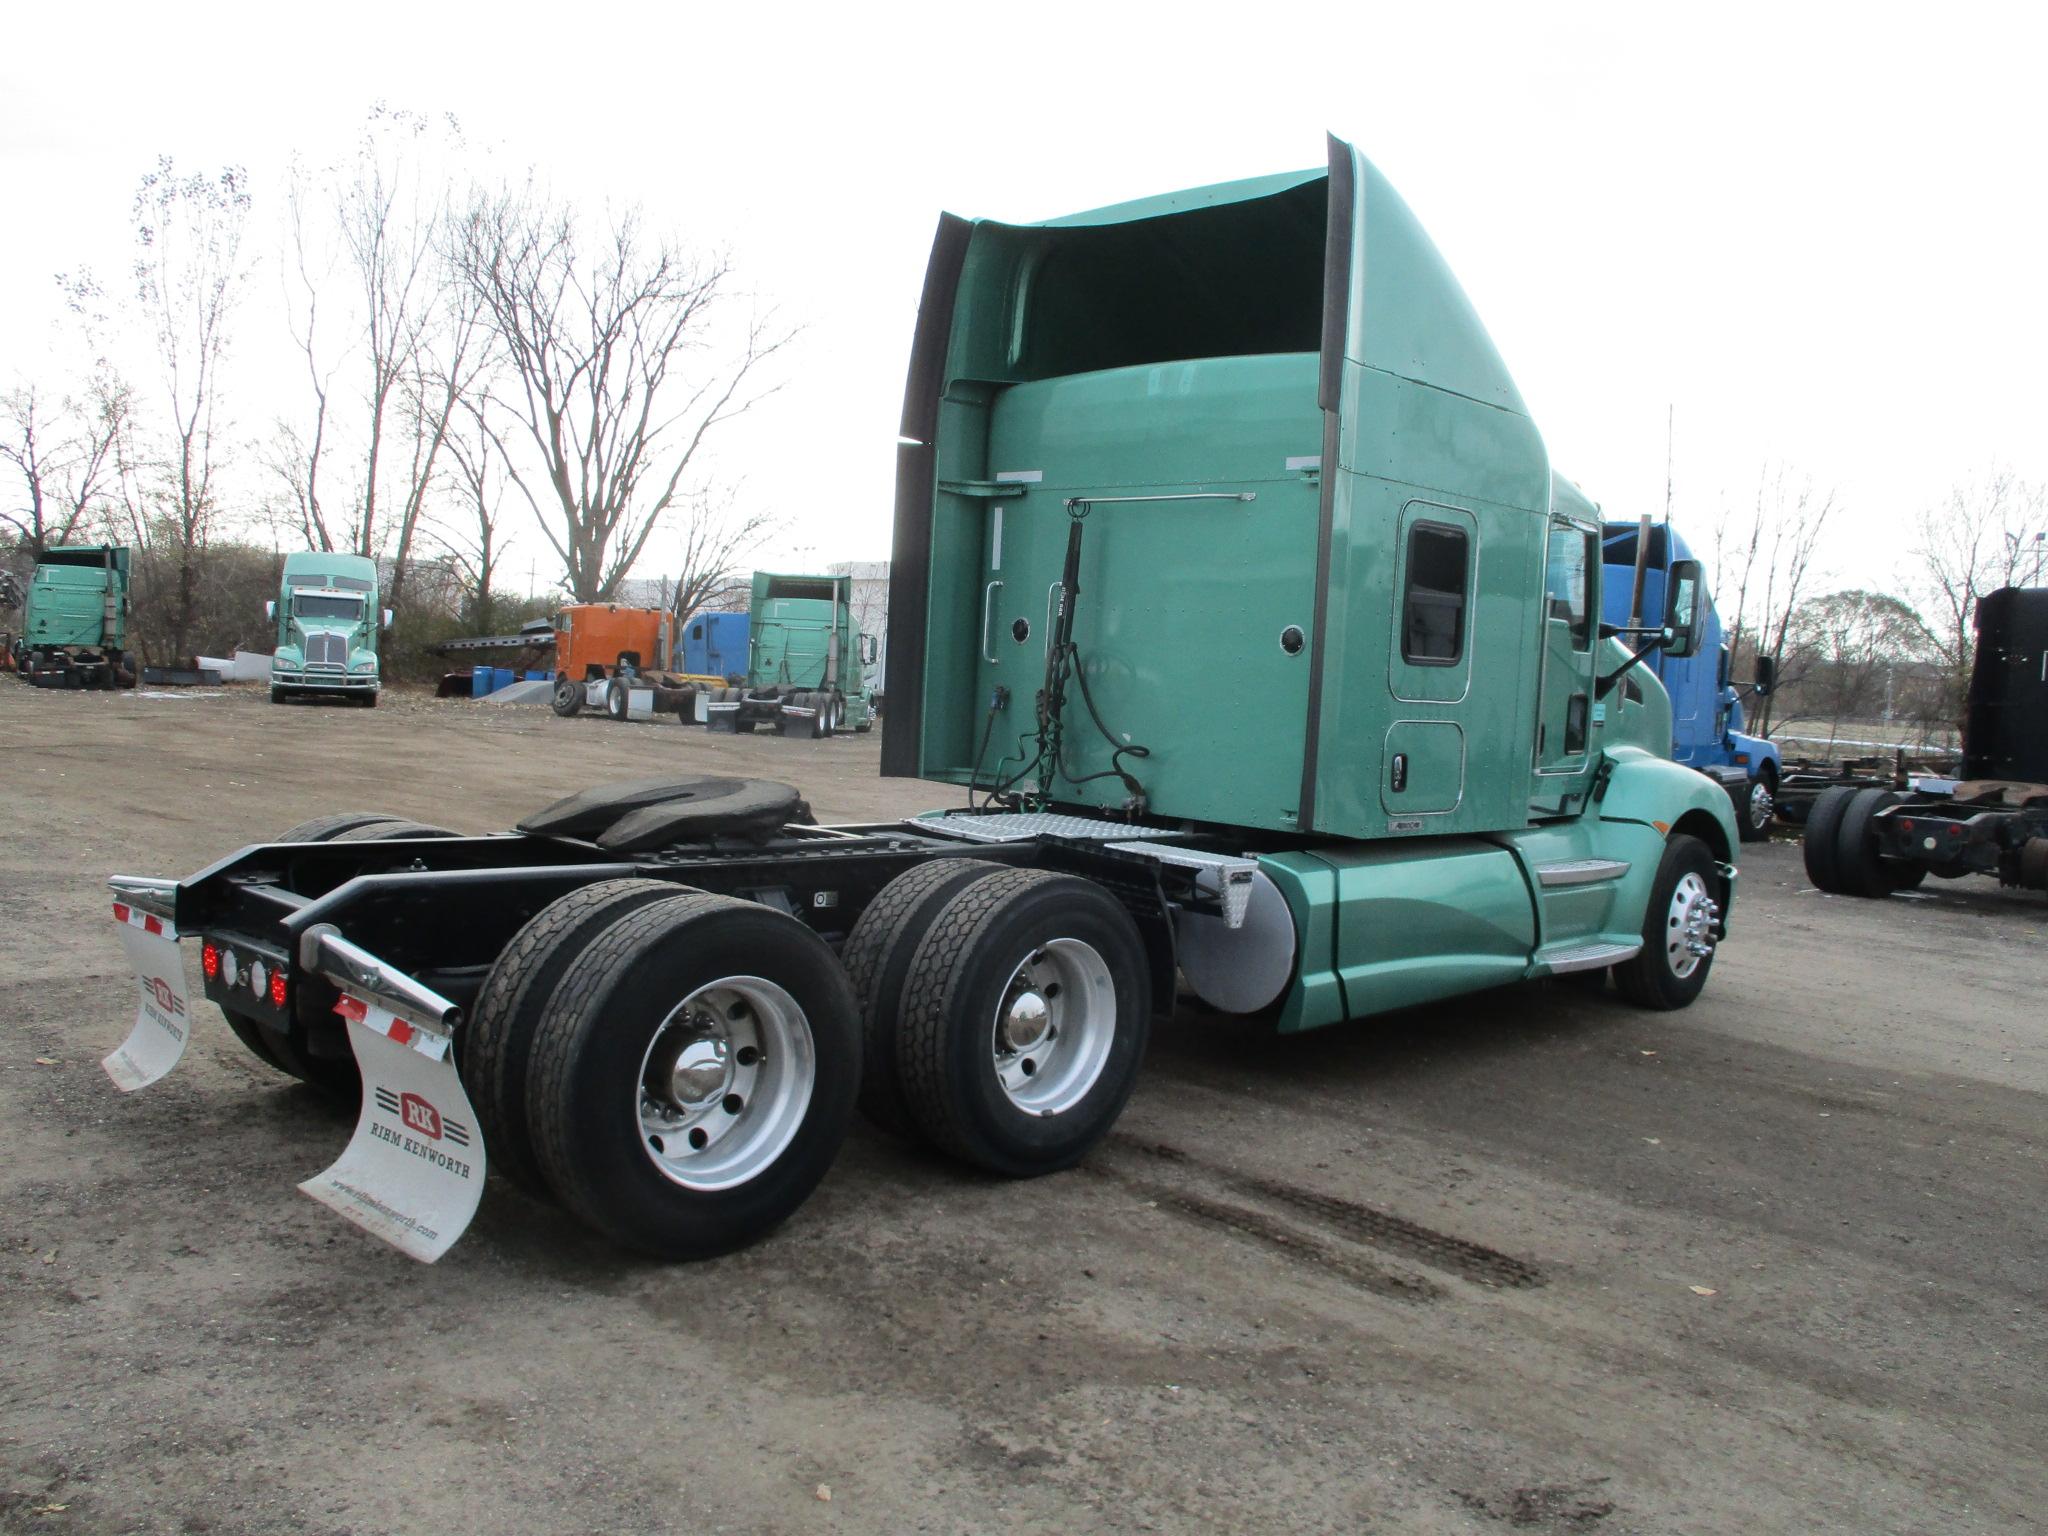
616,659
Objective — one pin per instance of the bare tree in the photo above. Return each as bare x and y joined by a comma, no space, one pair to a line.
373,299
600,337
718,536
476,546
66,458
188,274
1764,568
1980,539
1854,646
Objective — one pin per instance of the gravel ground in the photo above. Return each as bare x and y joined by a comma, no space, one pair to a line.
1531,1261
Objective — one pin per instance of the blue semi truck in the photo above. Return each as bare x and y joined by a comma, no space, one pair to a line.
1706,705
715,645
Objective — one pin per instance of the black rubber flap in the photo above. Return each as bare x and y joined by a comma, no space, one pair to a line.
738,808
589,813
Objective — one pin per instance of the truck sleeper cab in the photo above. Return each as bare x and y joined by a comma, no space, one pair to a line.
1233,589
1706,704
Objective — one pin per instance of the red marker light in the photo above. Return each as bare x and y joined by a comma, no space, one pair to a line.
277,987
209,959
120,912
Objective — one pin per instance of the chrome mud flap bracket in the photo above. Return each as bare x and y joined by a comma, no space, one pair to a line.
413,1172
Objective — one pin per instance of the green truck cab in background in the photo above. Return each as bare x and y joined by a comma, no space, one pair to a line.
327,625
806,661
74,619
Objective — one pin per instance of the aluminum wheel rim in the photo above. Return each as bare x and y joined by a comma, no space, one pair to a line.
725,1082
1761,804
1053,1027
1689,926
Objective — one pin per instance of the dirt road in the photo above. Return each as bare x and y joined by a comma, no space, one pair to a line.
1535,1261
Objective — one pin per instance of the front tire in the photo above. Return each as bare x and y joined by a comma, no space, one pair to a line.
1680,930
1755,807
568,696
693,1075
1025,1015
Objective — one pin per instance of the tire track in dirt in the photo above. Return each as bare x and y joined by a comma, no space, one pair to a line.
1357,1223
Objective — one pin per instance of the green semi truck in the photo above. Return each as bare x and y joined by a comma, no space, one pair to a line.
1235,595
74,619
806,661
327,625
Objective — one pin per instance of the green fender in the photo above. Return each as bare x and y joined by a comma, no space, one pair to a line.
1642,787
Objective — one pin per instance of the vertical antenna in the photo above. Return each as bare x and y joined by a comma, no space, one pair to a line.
1669,412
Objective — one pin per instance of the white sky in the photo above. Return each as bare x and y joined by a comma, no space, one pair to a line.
1817,232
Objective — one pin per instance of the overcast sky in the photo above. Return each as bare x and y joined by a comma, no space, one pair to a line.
1817,233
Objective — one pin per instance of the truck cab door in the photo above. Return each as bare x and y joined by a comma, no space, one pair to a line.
1564,754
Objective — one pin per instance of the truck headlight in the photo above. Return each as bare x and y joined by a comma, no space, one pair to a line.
364,666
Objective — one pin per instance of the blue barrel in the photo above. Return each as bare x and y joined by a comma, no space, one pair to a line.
479,681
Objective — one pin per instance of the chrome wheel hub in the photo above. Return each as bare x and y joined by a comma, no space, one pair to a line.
1690,926
1761,804
1054,1026
725,1083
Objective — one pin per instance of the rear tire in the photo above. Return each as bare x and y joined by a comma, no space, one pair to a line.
1665,974
387,829
498,1041
762,1040
1026,1011
1817,842
1858,868
323,829
253,1035
877,956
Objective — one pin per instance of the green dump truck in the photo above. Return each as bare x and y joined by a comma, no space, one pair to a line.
1233,590
327,625
806,661
74,620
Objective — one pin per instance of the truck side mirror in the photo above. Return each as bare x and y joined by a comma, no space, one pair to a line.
1682,608
270,611
1766,675
867,650
387,619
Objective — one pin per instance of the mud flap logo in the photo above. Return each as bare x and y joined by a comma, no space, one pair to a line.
156,1041
412,1173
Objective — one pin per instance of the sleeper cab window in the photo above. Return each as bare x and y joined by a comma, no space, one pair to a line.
1433,607
1567,582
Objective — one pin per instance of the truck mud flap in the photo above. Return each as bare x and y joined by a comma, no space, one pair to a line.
163,1013
413,1173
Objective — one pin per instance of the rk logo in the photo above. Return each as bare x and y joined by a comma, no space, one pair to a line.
419,1115
166,999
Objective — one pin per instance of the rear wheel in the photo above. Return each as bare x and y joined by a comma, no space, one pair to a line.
693,1075
877,956
1025,1014
1680,930
1817,842
498,1041
1859,870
